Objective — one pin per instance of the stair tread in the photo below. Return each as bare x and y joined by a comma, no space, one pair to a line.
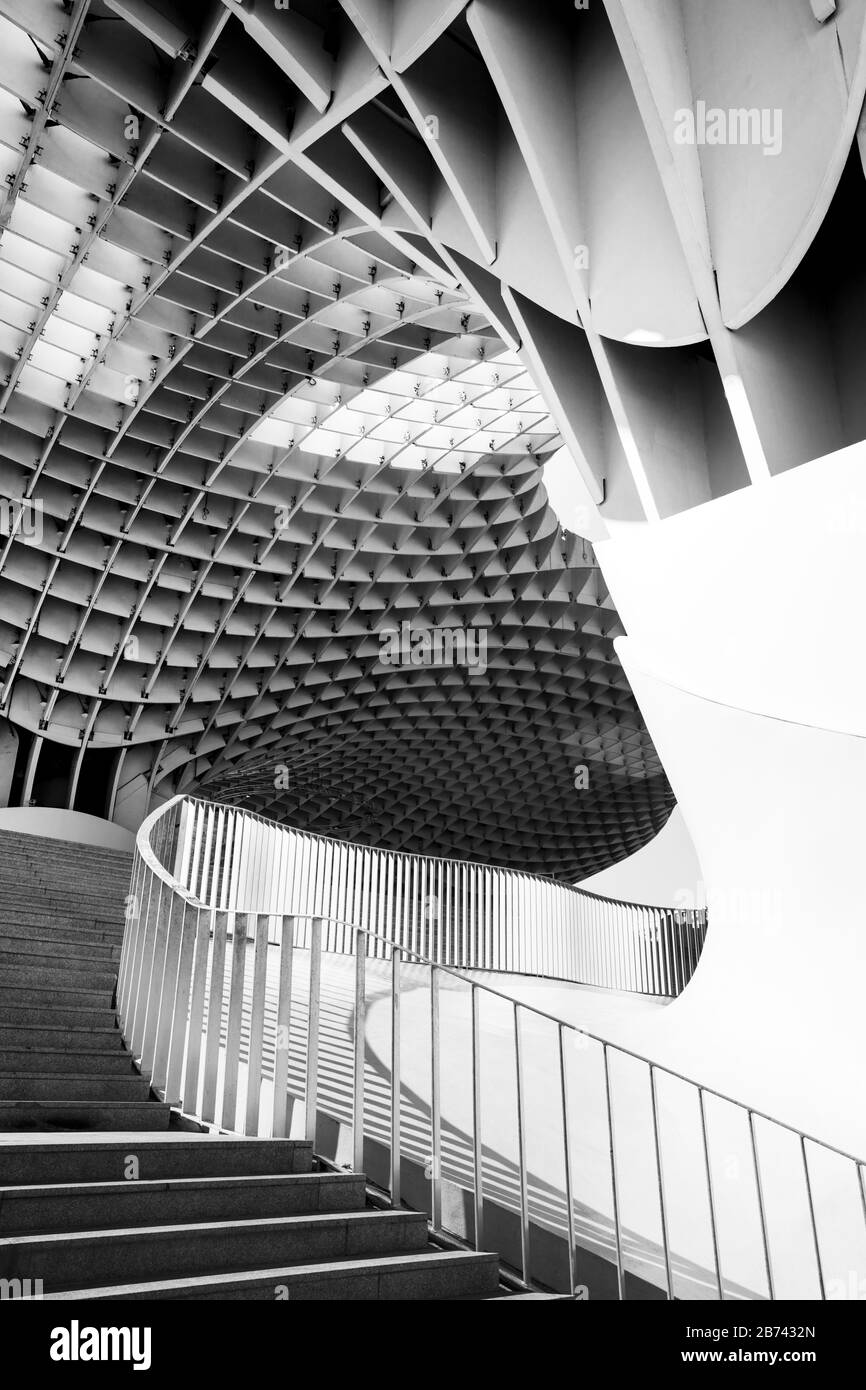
293,1273
211,1184
200,1228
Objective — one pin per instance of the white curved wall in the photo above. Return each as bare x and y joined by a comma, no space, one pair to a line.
747,655
75,826
665,873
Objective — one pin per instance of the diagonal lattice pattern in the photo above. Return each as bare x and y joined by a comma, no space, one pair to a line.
246,431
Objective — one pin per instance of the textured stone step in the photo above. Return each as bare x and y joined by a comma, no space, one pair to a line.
49,998
431,1275
60,948
79,1259
82,1062
53,928
32,968
159,1157
102,1206
36,1037
21,1014
19,839
62,1086
22,1116
103,906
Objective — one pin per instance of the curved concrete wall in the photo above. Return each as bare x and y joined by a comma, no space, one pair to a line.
665,873
747,656
66,825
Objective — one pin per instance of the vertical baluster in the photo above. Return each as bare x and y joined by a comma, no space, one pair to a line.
566,1153
400,868
448,956
156,976
283,1028
359,1050
178,1027
614,1179
216,992
257,1025
717,1264
203,919
759,1189
819,1267
131,923
166,985
210,896
521,1147
312,1087
465,939
140,970
477,1146
661,1183
235,1021
435,1117
416,909
396,957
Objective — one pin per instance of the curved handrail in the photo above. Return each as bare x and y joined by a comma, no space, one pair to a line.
452,911
467,979
175,939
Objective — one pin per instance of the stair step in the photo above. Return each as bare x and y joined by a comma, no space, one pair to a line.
38,1036
61,948
20,1061
52,929
18,966
159,1157
18,1013
76,1259
427,1275
101,1206
23,1116
68,1086
14,994
105,904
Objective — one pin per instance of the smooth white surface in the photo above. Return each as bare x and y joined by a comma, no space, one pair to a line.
66,825
754,600
746,652
665,873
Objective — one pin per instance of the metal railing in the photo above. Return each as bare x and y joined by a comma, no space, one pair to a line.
448,911
591,1169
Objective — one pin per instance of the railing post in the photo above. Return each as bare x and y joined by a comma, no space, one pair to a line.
155,977
521,1147
761,1212
661,1182
396,957
196,1009
435,1117
359,1050
180,1011
614,1180
477,1148
812,1218
235,1022
312,1086
711,1196
139,978
566,1151
257,1024
213,1037
283,1029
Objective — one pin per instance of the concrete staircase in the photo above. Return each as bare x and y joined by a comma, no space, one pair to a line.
102,1199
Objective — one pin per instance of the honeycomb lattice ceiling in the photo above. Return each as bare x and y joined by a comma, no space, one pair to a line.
250,421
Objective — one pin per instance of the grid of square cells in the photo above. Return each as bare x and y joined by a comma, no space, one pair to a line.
242,433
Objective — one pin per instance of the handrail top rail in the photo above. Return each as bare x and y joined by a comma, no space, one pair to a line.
464,979
430,858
